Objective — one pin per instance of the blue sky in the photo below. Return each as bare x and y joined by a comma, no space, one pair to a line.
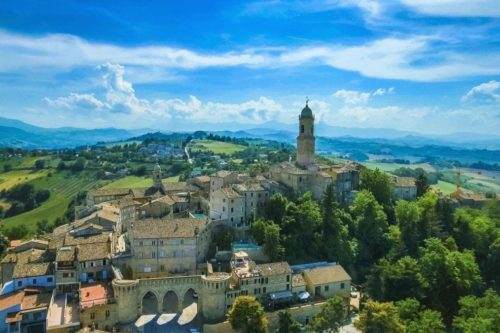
429,66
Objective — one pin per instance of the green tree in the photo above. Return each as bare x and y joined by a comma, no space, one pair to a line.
408,217
448,275
371,226
478,314
287,324
272,243
7,167
392,282
378,183
258,230
275,208
379,318
247,315
422,185
330,316
419,320
39,164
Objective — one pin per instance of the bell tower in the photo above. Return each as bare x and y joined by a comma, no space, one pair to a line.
306,140
157,177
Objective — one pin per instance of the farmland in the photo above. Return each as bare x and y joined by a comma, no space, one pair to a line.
217,147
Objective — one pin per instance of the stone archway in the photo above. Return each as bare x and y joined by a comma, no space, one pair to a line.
170,302
149,303
190,297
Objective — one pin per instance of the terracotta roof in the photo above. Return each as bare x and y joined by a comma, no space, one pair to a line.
403,181
167,228
97,251
94,294
121,203
28,256
202,179
36,301
326,274
92,239
15,243
65,253
176,186
222,173
230,193
10,300
32,269
112,191
274,268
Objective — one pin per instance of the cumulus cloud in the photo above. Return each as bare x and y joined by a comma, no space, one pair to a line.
354,97
485,92
118,95
389,58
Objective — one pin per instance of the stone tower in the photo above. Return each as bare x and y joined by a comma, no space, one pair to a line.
306,139
157,183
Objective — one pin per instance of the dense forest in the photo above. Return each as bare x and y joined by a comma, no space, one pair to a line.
425,264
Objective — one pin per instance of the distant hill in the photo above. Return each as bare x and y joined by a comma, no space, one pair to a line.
15,133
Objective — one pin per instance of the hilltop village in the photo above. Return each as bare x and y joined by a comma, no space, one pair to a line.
136,252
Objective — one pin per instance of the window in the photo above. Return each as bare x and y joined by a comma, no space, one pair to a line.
50,279
232,210
288,278
19,283
153,254
104,262
34,281
107,313
301,128
182,241
232,219
141,243
264,290
92,315
251,194
153,243
161,242
161,254
92,264
327,288
232,200
342,285
223,209
287,287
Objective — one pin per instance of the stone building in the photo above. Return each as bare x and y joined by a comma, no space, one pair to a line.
305,175
228,205
404,188
166,247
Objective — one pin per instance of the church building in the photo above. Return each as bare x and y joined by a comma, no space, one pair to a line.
306,175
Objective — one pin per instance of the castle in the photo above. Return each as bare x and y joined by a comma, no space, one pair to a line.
142,251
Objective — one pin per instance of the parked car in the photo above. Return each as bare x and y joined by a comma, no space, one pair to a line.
304,296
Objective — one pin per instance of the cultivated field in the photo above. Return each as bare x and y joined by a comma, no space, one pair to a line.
217,147
63,187
388,167
135,181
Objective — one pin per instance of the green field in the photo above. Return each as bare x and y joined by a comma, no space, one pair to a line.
135,181
11,178
445,187
29,162
63,187
388,167
217,147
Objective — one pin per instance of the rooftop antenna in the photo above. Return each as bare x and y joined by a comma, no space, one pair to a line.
307,100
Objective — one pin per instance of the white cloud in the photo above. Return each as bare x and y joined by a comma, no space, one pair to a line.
460,8
388,58
485,92
118,95
354,97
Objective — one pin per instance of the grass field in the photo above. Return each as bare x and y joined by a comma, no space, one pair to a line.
388,167
29,162
134,181
217,147
445,187
63,187
11,178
